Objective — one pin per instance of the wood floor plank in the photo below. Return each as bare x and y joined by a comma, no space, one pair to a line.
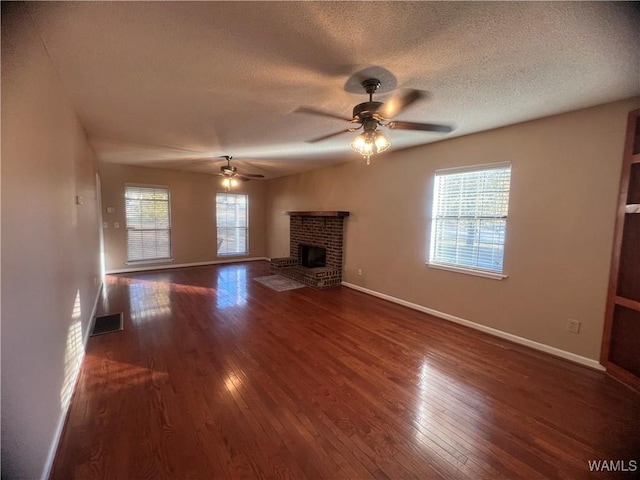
216,376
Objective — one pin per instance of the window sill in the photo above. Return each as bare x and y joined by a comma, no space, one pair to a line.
155,260
468,271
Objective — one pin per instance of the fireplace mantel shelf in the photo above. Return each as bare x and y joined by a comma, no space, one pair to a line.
334,213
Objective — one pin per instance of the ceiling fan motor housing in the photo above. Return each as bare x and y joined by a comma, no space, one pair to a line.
366,110
229,171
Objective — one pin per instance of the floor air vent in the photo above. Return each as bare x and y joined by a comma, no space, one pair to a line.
107,324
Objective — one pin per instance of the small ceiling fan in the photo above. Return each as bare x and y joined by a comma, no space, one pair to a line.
370,115
231,174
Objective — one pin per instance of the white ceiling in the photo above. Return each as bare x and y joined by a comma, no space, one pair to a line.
166,84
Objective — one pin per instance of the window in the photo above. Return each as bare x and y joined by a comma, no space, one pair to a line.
232,217
470,218
148,223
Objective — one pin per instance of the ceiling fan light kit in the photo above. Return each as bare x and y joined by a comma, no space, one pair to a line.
370,115
229,183
368,143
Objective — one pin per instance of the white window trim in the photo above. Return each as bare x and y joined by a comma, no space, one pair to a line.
478,272
168,259
248,251
474,168
468,271
146,185
155,260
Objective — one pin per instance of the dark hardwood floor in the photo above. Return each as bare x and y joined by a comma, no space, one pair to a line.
217,376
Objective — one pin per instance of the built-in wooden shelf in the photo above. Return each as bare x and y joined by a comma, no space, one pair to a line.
621,335
628,303
332,213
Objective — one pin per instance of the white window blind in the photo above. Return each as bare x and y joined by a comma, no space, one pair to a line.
470,217
232,219
148,219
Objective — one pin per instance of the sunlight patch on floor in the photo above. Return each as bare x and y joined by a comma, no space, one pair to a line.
149,302
232,288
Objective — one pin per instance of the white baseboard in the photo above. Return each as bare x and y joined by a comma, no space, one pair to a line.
587,362
92,318
46,471
181,265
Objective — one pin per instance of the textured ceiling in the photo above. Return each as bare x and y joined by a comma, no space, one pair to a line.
169,84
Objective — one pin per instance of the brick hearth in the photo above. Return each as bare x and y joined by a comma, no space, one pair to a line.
320,229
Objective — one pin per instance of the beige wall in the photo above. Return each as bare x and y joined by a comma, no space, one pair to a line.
193,213
565,174
50,247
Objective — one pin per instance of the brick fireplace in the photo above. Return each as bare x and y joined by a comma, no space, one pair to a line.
322,230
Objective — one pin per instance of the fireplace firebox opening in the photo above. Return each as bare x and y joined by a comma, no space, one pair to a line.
312,256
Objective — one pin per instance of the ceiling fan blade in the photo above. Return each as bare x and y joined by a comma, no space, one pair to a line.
242,178
252,175
425,127
397,103
322,113
324,137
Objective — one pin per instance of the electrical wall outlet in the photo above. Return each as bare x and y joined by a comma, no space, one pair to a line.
359,271
573,326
